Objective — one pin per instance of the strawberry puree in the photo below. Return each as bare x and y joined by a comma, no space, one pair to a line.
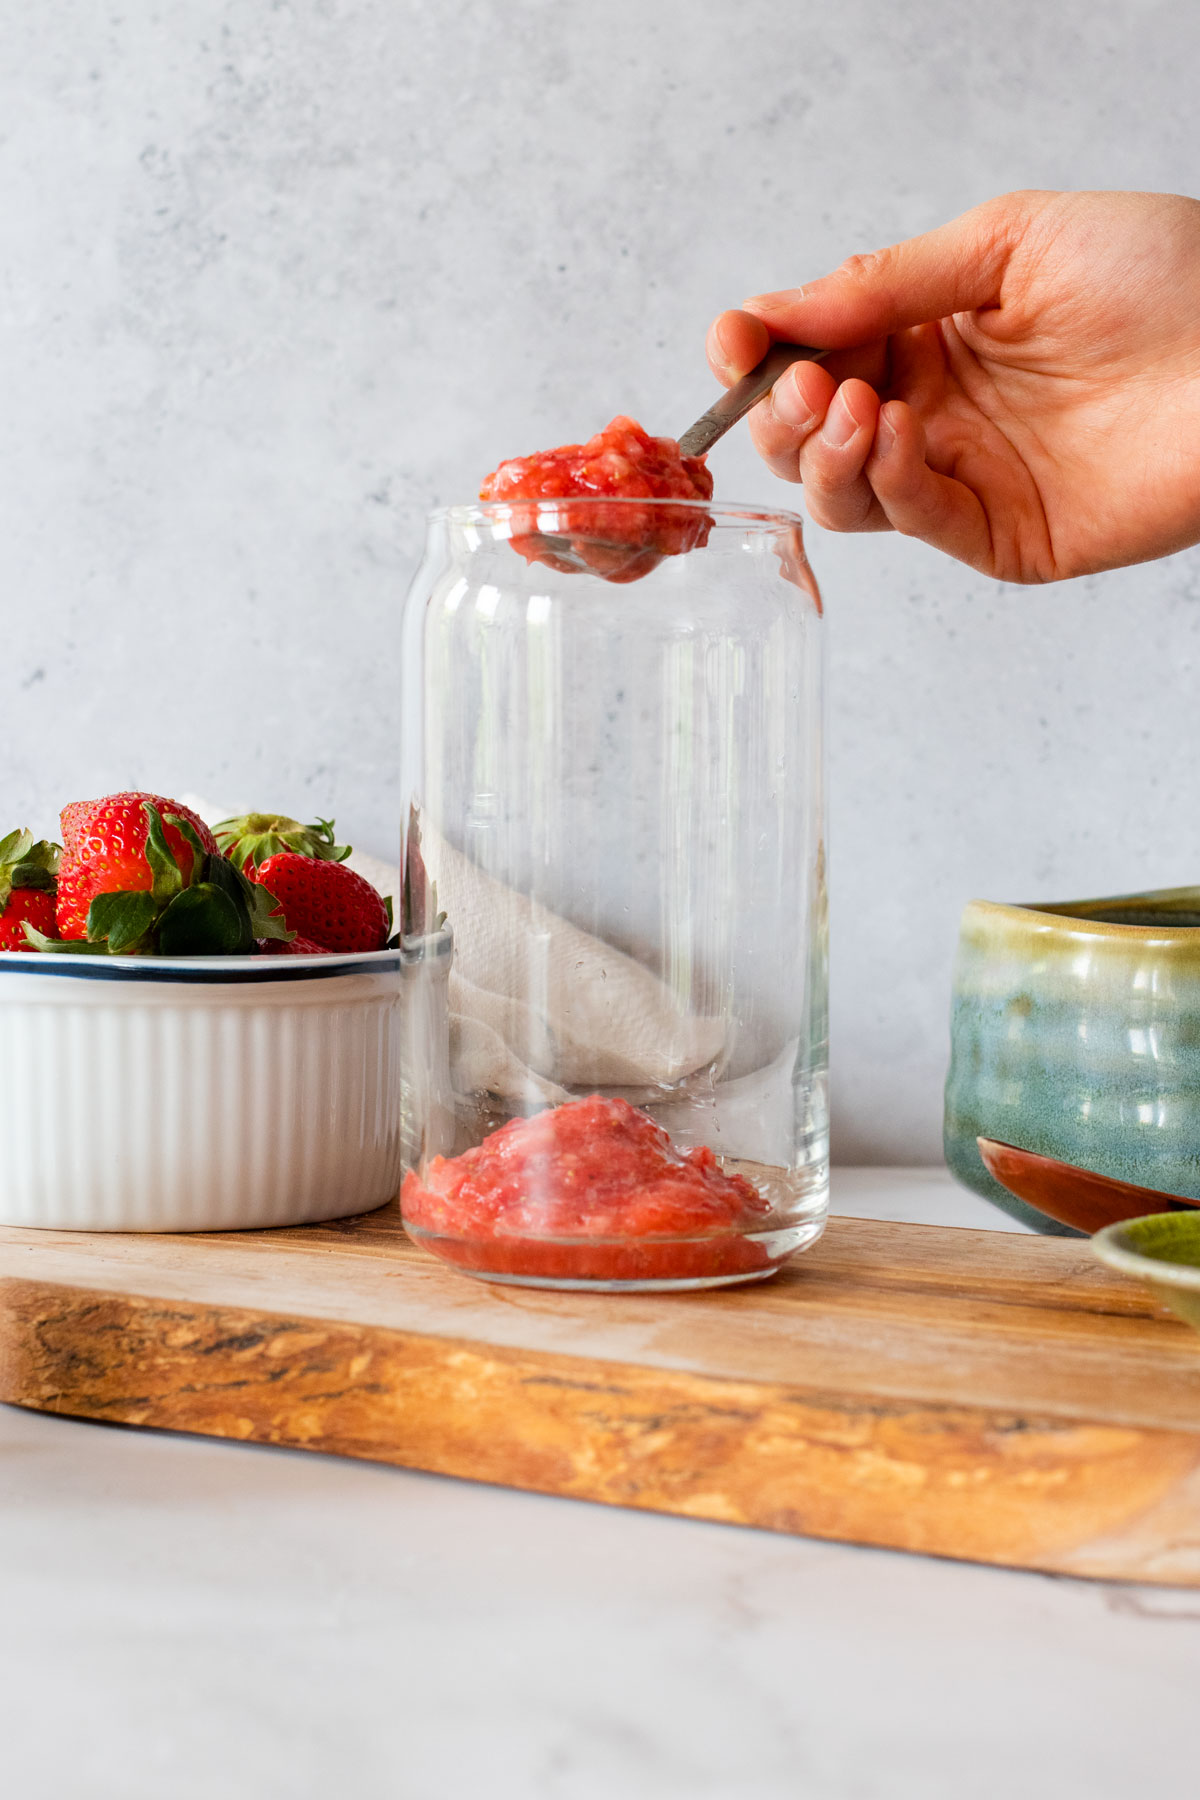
590,1191
622,462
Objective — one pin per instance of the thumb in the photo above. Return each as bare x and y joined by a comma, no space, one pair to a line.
956,268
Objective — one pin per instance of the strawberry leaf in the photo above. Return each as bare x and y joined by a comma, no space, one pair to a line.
15,846
258,910
24,864
238,891
168,877
265,913
121,921
234,886
61,946
335,852
33,875
200,856
203,921
252,838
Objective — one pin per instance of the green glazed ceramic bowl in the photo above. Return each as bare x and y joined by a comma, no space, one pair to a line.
1075,1033
1163,1250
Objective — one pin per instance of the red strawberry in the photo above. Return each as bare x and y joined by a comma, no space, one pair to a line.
104,852
23,904
26,889
297,946
325,901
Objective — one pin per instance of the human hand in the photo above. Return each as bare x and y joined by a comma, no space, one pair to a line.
1019,388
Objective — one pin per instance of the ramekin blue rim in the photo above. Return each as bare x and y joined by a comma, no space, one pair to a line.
200,970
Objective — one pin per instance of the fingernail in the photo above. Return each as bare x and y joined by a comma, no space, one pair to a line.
840,424
885,437
790,407
718,338
764,302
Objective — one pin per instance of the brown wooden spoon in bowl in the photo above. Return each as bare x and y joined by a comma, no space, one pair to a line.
1073,1196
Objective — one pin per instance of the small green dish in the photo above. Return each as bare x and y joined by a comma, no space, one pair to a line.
1161,1249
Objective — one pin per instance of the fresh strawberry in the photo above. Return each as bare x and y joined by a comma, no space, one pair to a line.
325,901
104,851
27,873
141,875
255,836
297,946
26,906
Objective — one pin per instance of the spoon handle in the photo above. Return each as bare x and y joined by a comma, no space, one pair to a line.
736,402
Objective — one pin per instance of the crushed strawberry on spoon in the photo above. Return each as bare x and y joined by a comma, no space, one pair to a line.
571,528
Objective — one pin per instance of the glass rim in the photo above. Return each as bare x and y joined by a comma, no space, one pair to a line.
719,512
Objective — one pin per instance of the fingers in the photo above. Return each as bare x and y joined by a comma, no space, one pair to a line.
828,450
782,424
957,268
736,342
832,463
915,499
864,466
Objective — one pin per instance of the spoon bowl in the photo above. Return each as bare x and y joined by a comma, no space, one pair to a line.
1072,1196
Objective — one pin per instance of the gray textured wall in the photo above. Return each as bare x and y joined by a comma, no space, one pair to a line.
275,278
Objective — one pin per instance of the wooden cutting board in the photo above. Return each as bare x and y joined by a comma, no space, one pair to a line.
963,1393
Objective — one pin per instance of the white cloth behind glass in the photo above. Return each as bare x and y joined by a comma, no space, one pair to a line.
531,995
562,1001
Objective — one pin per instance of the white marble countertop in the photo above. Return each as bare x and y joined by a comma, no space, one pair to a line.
186,1620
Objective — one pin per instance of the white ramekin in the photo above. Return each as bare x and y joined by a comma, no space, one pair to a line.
201,1094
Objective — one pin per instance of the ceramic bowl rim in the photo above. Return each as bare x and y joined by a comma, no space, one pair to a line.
1110,1245
1069,918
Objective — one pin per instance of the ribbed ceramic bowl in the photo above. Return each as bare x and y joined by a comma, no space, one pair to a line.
201,1094
1075,1033
1163,1250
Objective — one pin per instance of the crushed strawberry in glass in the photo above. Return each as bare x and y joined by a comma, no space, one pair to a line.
624,463
591,1191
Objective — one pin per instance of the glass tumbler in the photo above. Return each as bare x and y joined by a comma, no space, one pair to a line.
613,912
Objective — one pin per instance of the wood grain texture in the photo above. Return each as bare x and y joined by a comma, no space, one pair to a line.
962,1393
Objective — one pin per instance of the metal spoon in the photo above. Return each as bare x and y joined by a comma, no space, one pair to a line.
736,401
